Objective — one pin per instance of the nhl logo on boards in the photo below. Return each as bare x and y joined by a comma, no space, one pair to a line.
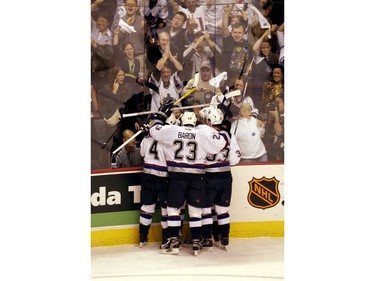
263,193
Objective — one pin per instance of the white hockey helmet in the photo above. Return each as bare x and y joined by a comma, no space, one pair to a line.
214,115
203,112
189,118
171,120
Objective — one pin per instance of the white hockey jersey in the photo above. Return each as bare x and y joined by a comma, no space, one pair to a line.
171,92
154,157
229,156
186,147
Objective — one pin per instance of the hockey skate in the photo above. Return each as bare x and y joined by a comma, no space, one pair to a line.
216,241
171,247
164,241
225,243
142,240
197,247
207,244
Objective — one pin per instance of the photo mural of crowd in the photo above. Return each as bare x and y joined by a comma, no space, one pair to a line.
146,53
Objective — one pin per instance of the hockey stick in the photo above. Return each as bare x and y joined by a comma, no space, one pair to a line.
144,83
153,111
186,95
127,141
110,137
244,91
222,105
114,119
226,97
215,81
231,94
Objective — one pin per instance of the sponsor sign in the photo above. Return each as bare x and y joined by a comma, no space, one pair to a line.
116,192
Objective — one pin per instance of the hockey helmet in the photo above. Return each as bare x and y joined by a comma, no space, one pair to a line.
189,118
203,112
214,115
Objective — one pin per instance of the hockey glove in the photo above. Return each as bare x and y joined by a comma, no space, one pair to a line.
167,107
158,117
145,128
155,119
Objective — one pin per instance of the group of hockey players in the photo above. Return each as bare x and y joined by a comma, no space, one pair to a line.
187,166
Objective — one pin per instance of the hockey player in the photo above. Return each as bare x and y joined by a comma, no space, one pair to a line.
218,181
155,184
154,187
186,148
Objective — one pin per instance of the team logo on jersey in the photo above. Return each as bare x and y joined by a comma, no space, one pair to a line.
263,193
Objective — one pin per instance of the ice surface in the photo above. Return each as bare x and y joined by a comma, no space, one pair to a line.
254,259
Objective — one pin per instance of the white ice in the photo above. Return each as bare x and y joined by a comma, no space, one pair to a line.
253,259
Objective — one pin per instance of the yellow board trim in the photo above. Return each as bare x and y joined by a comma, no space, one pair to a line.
112,237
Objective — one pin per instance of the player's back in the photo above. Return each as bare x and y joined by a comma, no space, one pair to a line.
154,157
229,156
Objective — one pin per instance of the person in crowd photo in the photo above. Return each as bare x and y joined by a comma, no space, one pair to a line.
167,87
131,28
261,72
129,155
158,54
204,90
247,130
236,55
203,49
115,100
102,54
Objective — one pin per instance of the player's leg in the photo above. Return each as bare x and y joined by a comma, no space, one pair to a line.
215,227
148,200
222,203
223,221
196,201
207,219
175,200
145,221
182,217
162,198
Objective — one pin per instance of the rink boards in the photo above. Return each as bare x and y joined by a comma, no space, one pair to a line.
257,205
